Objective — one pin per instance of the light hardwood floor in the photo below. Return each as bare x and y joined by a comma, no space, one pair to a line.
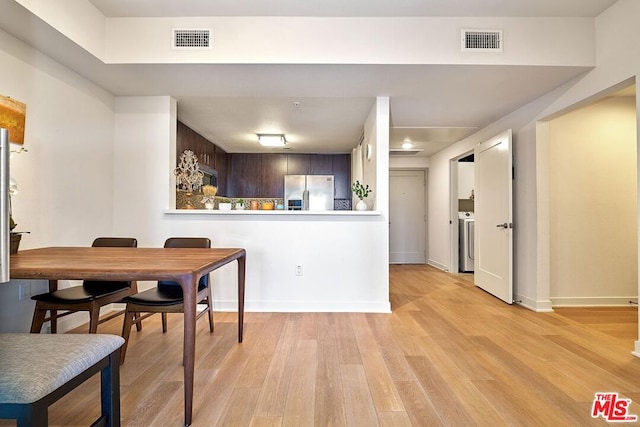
448,355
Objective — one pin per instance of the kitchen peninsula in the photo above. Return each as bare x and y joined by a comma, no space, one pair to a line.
299,260
332,261
305,261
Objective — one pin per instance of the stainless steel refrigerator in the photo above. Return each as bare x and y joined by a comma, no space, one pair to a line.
309,192
5,152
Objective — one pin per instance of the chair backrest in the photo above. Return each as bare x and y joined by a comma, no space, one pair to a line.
115,242
187,242
110,242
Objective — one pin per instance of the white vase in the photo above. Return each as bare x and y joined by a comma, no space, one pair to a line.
361,205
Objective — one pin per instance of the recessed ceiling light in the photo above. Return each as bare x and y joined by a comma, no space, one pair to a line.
407,145
272,140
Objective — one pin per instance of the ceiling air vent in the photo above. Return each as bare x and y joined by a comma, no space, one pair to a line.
482,40
191,39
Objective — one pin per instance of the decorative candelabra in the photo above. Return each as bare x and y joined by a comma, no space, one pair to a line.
188,175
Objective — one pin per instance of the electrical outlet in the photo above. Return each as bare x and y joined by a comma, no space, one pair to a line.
299,270
24,291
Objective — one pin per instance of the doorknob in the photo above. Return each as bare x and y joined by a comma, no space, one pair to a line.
505,225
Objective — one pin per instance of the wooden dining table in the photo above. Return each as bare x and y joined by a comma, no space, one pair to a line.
183,265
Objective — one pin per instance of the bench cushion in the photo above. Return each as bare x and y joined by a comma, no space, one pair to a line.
34,365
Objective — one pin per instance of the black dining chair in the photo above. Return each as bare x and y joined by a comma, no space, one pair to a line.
90,297
167,296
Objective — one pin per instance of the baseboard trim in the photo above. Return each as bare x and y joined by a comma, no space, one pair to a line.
296,306
592,301
636,352
306,306
437,265
531,304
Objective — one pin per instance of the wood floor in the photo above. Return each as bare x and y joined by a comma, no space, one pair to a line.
448,355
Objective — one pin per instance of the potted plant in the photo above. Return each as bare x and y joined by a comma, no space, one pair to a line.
239,204
224,204
361,191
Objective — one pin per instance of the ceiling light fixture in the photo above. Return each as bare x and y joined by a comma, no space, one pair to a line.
272,140
407,145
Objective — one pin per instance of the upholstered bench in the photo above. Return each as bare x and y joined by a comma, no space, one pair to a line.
36,370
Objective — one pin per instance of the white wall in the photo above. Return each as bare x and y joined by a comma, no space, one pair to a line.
65,178
79,20
593,205
358,40
329,40
465,179
407,162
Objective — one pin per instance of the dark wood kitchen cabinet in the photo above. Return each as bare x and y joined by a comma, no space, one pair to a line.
262,175
222,167
321,164
188,139
210,156
298,164
341,166
256,175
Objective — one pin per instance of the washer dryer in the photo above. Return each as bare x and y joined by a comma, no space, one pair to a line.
466,259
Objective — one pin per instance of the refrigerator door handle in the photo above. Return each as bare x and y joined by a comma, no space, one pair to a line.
305,200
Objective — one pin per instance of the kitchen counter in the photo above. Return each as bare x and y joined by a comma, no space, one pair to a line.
278,213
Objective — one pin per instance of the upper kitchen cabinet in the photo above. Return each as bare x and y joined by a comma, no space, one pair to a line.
256,175
298,164
321,164
341,167
210,156
188,139
222,166
262,175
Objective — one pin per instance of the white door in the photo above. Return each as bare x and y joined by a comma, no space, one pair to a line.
494,217
407,215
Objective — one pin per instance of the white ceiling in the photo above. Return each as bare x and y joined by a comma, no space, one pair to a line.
433,105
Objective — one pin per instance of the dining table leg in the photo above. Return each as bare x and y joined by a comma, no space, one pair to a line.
53,314
189,291
241,275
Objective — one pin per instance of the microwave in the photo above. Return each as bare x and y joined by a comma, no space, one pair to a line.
210,175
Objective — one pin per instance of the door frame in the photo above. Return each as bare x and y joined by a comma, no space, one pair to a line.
454,245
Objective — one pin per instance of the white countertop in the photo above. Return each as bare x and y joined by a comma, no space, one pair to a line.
275,212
